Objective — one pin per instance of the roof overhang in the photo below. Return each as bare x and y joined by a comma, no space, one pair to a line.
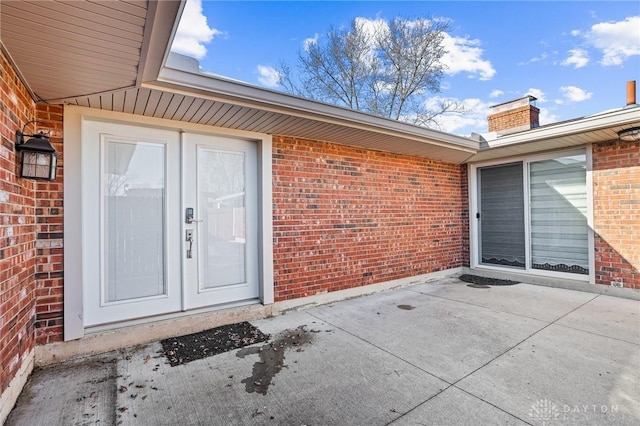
114,56
596,128
306,117
64,49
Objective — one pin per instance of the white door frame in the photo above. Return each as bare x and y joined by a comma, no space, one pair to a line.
474,240
74,268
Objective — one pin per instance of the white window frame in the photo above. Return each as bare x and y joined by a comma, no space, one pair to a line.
474,262
74,116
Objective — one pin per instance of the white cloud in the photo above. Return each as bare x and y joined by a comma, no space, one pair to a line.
465,55
268,76
578,58
617,40
535,59
474,119
372,27
547,117
542,57
575,94
193,31
309,41
496,93
537,93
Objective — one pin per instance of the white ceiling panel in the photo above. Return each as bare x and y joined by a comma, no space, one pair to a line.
69,49
179,107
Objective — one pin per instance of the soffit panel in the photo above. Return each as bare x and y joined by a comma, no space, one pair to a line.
568,141
66,49
180,107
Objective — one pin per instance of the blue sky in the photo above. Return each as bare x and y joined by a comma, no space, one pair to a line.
574,56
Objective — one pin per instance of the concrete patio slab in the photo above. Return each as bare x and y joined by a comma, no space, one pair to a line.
436,353
333,379
456,407
449,339
586,378
532,301
607,316
80,392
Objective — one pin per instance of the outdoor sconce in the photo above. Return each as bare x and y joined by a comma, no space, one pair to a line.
630,135
38,158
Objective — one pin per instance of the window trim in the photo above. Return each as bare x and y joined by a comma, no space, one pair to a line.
474,240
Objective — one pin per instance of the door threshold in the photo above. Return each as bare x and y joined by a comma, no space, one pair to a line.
168,316
142,331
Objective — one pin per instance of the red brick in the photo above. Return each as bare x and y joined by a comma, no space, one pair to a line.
345,217
17,236
616,205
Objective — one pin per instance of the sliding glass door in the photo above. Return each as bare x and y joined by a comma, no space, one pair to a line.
501,207
558,210
532,215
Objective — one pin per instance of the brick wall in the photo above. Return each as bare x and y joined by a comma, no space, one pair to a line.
616,211
49,223
346,217
17,231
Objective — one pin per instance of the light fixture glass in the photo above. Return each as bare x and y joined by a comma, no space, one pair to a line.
37,156
630,135
38,165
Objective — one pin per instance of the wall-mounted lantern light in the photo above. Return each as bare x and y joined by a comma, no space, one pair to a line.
38,158
630,135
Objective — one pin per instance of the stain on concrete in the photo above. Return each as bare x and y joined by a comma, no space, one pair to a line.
406,307
478,280
272,356
478,286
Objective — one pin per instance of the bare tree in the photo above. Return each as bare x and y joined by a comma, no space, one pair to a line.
382,68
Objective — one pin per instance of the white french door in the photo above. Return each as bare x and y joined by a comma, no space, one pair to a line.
131,201
221,237
138,260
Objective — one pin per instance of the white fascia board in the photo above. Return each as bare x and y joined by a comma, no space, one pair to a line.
620,117
220,89
160,27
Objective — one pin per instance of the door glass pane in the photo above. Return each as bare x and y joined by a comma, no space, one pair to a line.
559,230
134,211
502,228
221,192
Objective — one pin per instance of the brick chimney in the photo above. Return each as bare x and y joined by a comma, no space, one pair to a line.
514,116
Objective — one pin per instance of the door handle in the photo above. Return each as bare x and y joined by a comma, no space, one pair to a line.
189,239
188,216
